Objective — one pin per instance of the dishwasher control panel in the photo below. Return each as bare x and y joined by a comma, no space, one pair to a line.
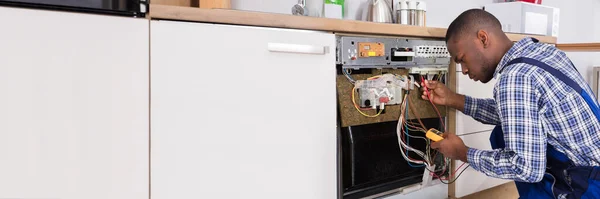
381,52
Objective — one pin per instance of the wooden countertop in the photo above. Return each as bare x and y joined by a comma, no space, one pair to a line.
237,17
580,47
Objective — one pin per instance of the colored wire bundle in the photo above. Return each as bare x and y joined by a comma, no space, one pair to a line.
401,137
347,73
425,158
358,107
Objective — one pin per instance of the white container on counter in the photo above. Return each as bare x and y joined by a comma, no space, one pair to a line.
421,13
412,12
402,13
333,9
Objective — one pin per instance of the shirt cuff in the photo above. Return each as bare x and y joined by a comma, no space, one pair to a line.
473,157
470,105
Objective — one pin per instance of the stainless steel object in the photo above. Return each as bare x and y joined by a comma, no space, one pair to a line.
398,53
412,12
402,13
300,8
421,13
379,11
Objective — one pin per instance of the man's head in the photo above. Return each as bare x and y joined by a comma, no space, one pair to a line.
476,41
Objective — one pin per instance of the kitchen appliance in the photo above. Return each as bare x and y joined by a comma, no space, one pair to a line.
300,8
372,164
135,8
379,11
526,18
392,53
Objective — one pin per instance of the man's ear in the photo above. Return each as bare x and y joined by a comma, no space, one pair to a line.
482,36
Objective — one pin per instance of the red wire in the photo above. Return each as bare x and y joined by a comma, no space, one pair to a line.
432,104
452,174
439,115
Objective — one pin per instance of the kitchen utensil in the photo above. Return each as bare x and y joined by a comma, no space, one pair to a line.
379,11
402,13
412,12
421,13
300,8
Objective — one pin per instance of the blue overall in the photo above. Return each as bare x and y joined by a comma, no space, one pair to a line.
562,178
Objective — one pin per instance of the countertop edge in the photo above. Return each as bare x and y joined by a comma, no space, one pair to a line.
237,17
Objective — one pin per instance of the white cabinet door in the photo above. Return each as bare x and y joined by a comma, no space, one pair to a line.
242,112
472,181
73,106
464,123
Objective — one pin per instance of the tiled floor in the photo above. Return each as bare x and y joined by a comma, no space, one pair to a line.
505,191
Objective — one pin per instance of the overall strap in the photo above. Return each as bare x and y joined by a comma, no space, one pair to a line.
588,98
557,180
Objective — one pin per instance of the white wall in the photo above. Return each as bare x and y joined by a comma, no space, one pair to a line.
579,23
440,13
597,19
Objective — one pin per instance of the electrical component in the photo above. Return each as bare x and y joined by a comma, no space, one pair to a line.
389,52
371,49
378,91
429,70
434,134
428,51
427,177
402,54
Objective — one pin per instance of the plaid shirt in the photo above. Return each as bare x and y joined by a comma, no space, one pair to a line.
534,109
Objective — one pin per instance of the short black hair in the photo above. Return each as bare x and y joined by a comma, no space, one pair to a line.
471,21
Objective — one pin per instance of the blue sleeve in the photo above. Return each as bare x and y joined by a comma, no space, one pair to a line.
482,110
524,157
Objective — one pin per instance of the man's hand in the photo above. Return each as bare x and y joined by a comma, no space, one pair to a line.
452,147
442,95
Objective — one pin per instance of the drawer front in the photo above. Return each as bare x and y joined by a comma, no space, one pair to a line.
464,123
472,181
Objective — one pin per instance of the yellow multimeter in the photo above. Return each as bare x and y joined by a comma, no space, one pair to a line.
434,134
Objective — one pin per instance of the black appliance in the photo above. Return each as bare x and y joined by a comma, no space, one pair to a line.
134,8
371,162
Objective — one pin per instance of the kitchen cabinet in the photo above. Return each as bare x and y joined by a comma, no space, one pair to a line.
438,191
73,105
475,135
472,181
464,123
242,112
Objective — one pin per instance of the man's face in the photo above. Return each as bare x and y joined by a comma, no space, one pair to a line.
470,53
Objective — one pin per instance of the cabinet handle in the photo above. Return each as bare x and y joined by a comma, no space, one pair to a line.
297,48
